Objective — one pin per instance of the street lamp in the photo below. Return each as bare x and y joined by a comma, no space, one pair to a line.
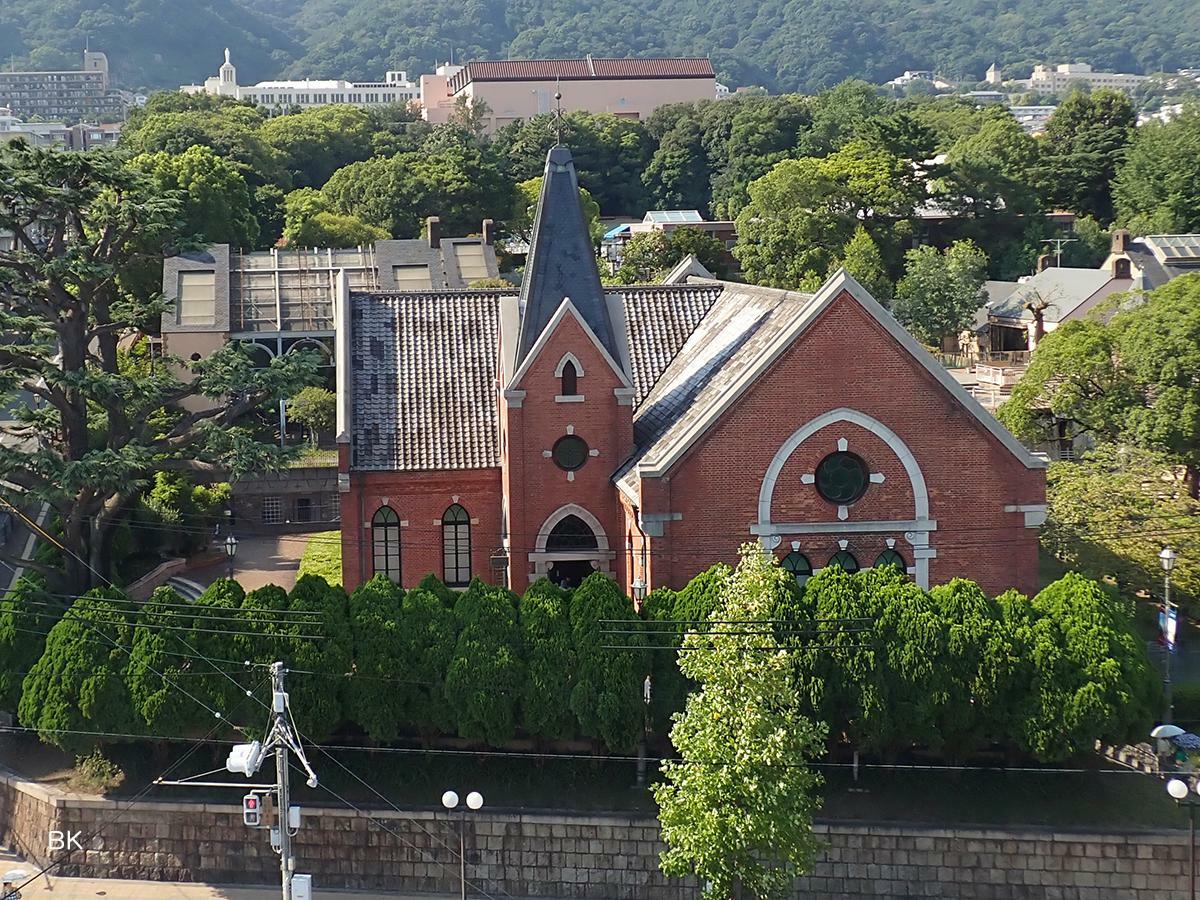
1170,622
231,543
474,802
1181,794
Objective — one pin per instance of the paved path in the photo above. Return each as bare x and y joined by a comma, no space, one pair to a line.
261,560
54,888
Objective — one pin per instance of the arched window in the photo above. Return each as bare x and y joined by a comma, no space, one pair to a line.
844,559
572,533
570,380
385,543
890,557
456,546
797,563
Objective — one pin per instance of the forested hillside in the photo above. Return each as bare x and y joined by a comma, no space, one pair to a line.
780,44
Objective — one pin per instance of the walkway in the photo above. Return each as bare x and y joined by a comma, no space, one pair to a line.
261,560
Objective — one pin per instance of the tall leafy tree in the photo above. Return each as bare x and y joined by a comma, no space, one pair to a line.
607,696
736,809
427,641
319,699
105,421
217,206
678,175
1083,148
315,143
546,636
486,673
862,259
371,700
1157,189
940,292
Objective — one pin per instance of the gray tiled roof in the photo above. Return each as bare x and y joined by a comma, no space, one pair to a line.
658,321
740,326
1065,289
422,383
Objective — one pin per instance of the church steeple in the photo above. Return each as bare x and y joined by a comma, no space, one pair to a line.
562,260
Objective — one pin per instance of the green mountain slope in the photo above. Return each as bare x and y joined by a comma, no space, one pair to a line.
781,44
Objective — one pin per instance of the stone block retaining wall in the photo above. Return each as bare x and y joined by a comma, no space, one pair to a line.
578,856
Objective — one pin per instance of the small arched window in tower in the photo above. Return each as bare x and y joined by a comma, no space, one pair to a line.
456,546
570,379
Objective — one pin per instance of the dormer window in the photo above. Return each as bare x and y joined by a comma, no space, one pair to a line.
570,380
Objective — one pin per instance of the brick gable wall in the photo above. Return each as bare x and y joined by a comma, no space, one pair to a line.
847,359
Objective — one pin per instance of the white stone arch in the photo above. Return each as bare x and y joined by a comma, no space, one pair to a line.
571,509
916,530
562,364
541,559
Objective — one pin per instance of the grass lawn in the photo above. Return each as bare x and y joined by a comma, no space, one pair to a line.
323,556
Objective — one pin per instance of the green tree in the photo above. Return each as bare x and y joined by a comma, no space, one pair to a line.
426,644
1157,188
707,249
678,175
520,219
761,132
372,700
1094,680
802,214
736,809
861,258
27,613
217,207
107,421
315,408
940,292
546,637
308,222
314,143
318,699
486,674
79,682
1083,148
645,256
607,695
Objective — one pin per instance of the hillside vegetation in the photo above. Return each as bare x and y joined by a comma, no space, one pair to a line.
784,45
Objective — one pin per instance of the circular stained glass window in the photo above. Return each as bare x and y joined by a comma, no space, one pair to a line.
842,477
570,452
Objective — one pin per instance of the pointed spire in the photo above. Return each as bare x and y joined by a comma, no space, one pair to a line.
562,260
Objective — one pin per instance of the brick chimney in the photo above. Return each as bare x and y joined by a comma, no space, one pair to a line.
1121,239
433,227
1045,261
489,232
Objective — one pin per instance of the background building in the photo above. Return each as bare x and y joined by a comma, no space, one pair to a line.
68,96
1056,80
395,88
523,88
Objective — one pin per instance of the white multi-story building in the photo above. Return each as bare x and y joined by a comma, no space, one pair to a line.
395,88
1056,80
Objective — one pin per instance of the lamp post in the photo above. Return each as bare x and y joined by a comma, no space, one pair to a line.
1170,621
647,688
474,802
1182,794
231,543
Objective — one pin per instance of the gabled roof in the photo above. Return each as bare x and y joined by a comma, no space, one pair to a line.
743,334
1064,289
562,261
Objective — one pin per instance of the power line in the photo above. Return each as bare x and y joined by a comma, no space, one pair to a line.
66,617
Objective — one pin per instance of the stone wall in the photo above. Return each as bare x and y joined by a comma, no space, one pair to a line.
601,856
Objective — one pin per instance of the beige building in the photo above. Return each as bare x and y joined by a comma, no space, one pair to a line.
67,95
523,88
1056,80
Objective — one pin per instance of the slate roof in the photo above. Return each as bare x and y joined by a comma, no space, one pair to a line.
422,381
741,324
562,260
658,321
580,69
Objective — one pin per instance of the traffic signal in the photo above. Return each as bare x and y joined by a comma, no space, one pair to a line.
252,810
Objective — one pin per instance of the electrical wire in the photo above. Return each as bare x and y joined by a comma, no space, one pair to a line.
157,627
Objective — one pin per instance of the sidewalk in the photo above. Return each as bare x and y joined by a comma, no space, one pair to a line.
90,888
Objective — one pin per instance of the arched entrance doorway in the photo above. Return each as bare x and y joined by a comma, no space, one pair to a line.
571,535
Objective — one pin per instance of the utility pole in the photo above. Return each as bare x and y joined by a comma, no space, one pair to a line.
245,759
1058,247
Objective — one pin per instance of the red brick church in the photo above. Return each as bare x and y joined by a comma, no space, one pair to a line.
649,431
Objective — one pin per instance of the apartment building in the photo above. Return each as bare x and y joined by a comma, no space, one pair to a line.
64,96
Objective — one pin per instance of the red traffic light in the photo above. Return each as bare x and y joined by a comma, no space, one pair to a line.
251,814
